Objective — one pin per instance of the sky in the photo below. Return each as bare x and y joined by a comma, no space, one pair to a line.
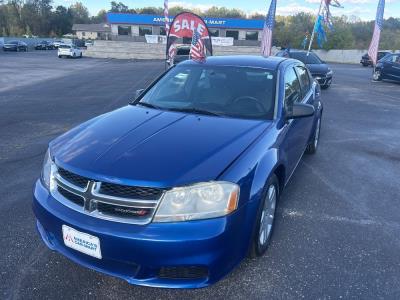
364,9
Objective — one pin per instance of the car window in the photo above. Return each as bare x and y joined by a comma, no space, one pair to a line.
311,58
304,78
240,92
395,59
292,88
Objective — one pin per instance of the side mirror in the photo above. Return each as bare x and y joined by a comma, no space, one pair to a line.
300,110
138,93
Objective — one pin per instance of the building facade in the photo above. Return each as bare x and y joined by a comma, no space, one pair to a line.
136,25
92,31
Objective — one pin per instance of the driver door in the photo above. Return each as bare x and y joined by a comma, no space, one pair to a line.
297,130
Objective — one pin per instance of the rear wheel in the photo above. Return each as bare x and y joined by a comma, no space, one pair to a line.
80,55
265,218
74,56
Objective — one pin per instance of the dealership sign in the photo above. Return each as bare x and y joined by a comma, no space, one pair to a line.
226,23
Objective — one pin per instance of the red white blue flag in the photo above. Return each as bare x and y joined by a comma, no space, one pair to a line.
197,47
374,46
266,42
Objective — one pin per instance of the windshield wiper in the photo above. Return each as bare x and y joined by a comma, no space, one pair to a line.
149,105
195,111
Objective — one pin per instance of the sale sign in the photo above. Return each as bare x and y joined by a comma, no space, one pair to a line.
184,25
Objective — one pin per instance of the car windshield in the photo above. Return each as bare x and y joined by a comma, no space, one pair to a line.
13,42
302,56
64,46
238,92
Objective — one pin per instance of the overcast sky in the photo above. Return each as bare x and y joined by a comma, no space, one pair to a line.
364,9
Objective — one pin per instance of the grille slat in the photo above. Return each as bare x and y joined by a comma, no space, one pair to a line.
78,200
75,179
132,192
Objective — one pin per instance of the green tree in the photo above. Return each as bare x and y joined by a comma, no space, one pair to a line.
118,7
79,13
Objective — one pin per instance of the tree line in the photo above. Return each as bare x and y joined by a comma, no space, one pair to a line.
39,17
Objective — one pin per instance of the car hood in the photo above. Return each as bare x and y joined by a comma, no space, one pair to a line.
318,68
139,146
10,45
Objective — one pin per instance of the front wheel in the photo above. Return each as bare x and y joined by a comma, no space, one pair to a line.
265,218
377,75
312,147
80,56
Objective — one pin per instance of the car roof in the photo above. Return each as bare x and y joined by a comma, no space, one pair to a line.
270,62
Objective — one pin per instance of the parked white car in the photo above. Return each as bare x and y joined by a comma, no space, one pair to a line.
69,51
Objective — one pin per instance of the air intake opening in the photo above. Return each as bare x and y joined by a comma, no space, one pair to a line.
189,272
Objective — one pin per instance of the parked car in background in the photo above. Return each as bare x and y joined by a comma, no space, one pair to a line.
318,68
15,46
89,43
177,188
182,54
57,43
388,68
366,61
69,51
44,45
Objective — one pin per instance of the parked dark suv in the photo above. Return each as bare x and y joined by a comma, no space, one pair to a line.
318,68
44,45
366,61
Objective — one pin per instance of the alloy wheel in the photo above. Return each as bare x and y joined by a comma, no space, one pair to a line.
267,216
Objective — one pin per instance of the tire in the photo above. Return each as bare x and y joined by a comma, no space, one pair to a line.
80,55
365,65
325,86
74,56
59,56
376,75
313,146
265,218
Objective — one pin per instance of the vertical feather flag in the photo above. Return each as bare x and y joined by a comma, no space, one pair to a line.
166,16
374,46
266,42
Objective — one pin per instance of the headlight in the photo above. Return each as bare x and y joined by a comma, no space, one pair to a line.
199,201
330,72
48,171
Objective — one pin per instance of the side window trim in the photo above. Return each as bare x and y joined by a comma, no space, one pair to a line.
303,94
292,68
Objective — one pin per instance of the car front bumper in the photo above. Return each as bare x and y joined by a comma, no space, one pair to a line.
323,80
141,254
9,48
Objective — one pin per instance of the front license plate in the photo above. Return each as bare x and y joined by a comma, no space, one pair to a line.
81,242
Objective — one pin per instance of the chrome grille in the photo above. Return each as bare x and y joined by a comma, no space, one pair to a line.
75,179
114,202
124,191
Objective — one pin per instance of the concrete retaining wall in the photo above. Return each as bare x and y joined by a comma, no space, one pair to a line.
138,50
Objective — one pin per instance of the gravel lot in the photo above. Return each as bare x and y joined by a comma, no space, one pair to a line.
338,227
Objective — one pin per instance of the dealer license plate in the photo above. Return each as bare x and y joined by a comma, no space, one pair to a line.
81,242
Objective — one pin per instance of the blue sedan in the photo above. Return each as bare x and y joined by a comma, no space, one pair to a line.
175,189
